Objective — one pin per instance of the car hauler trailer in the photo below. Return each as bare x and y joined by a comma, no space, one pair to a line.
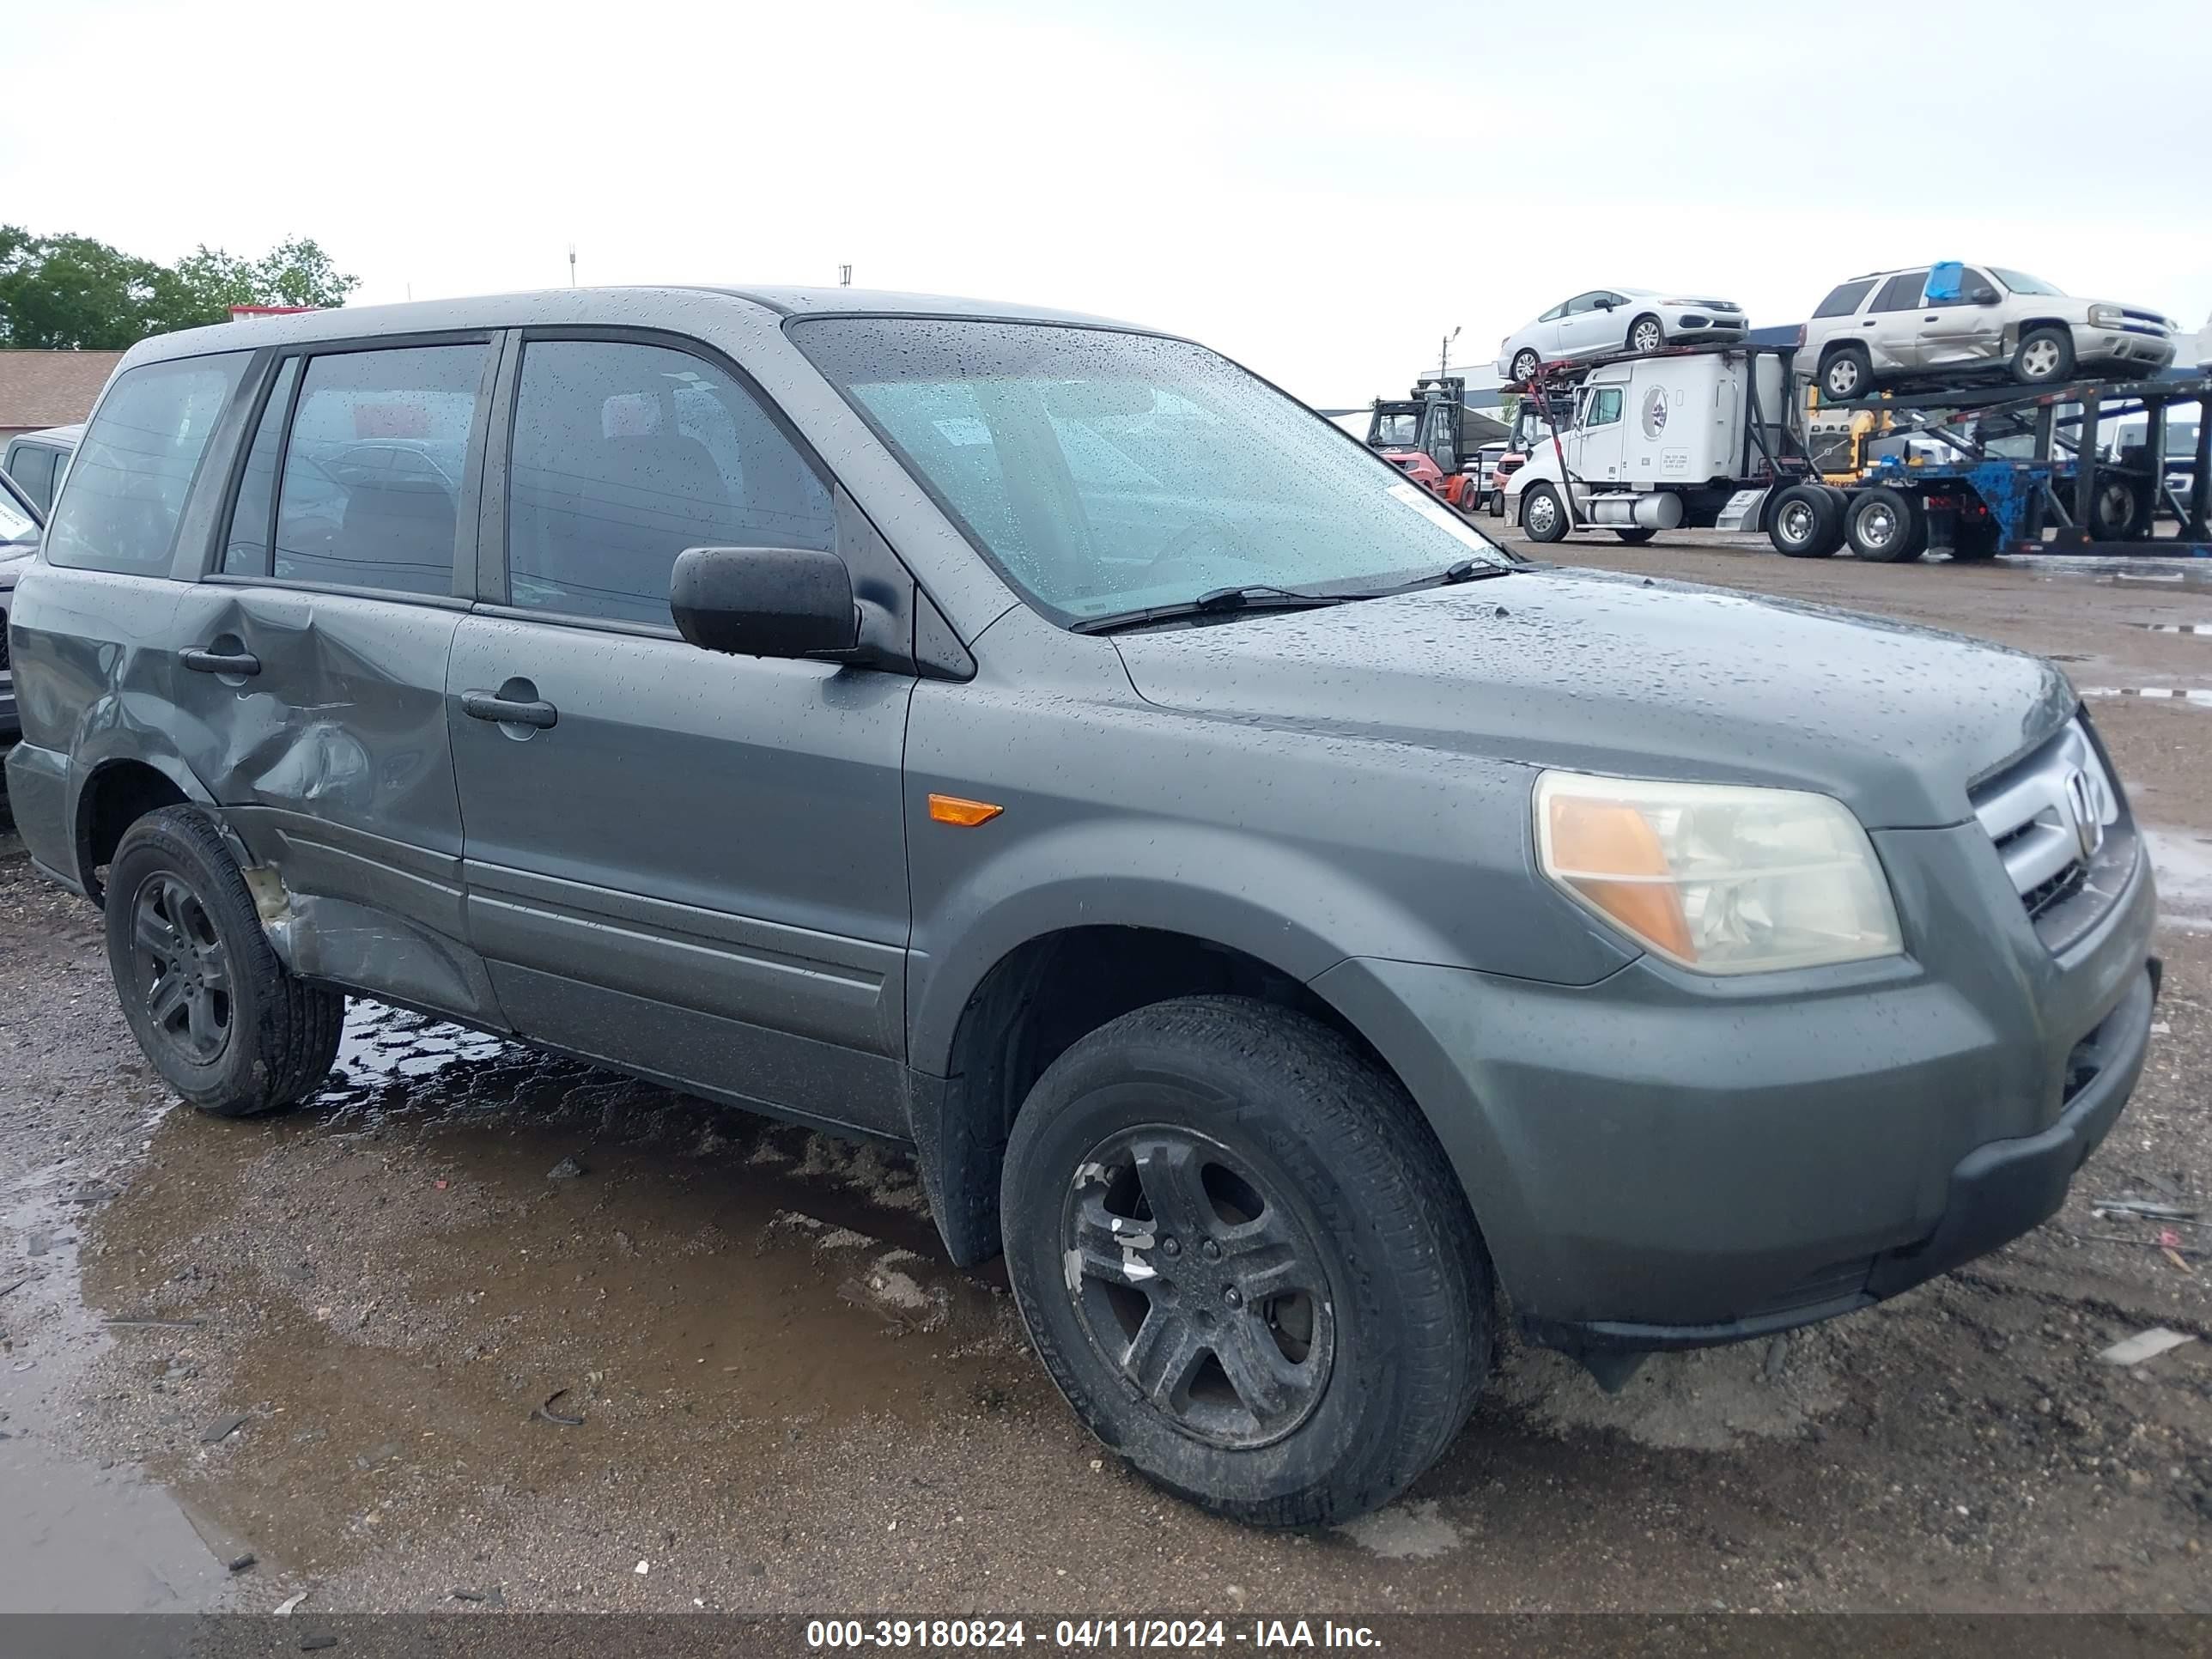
1722,438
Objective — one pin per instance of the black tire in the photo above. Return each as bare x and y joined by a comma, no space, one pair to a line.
1636,537
1886,525
1974,540
1526,361
1846,372
2044,356
2118,508
1646,335
222,1019
1542,504
1496,503
1806,522
1263,1126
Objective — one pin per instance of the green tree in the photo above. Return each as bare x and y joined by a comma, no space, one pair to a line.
70,291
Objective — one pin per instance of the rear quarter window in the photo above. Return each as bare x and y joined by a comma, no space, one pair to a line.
1844,299
134,469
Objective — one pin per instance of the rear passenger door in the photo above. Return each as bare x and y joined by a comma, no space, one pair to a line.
1890,329
310,673
691,864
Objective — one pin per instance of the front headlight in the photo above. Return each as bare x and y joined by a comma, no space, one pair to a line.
2105,316
1719,878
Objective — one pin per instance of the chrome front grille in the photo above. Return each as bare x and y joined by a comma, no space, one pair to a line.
2048,816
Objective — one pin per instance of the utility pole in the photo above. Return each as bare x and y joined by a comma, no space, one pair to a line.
572,264
1443,355
844,276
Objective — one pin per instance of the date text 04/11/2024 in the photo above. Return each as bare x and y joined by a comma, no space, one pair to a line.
1262,1635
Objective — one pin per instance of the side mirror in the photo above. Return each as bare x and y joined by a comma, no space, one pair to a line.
1983,296
764,601
1605,305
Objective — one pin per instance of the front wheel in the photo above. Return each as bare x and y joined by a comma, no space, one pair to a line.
2045,355
222,1020
1241,1256
1543,515
1646,335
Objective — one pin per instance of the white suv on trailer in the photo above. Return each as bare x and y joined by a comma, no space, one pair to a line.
1948,319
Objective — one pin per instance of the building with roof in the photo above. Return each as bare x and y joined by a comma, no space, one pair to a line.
40,389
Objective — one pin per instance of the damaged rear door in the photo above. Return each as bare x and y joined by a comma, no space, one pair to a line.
311,676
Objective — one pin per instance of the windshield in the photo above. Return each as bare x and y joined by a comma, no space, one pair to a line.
2020,284
1102,472
1395,431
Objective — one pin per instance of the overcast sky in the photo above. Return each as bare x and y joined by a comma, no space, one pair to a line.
1320,189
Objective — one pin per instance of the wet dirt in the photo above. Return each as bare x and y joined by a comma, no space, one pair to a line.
511,1326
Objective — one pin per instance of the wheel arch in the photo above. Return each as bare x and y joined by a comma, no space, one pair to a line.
113,794
1033,1002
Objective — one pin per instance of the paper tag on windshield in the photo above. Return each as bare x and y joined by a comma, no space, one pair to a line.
1442,516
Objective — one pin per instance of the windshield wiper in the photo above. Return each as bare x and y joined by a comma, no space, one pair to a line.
1217,602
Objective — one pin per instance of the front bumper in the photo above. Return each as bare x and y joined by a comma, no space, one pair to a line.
1663,1161
2149,352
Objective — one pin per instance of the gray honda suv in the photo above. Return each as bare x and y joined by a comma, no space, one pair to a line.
1291,928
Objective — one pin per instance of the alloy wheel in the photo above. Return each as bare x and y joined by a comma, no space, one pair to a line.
1878,524
1196,1283
1798,524
1647,336
2040,361
1539,515
183,968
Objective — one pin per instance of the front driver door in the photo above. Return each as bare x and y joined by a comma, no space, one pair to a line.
691,865
1955,331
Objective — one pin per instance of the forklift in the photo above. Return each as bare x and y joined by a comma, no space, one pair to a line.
1432,437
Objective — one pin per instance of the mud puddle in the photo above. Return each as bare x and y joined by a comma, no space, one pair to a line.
2182,861
77,1535
467,1275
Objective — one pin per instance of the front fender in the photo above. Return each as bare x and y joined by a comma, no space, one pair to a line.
1274,902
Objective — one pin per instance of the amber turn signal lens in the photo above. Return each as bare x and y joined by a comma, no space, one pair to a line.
951,809
1592,840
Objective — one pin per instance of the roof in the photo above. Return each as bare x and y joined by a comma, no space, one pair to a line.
52,388
566,306
62,437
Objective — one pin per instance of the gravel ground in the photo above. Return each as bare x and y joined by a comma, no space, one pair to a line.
477,1320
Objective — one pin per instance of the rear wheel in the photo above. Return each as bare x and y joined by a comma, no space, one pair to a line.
2045,355
1646,334
1242,1258
1525,364
224,1022
1886,525
1543,516
1806,522
1847,373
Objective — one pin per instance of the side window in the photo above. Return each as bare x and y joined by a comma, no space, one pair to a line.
1582,304
1900,292
32,467
137,463
246,549
1952,285
370,491
1554,313
1845,298
626,455
1604,407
